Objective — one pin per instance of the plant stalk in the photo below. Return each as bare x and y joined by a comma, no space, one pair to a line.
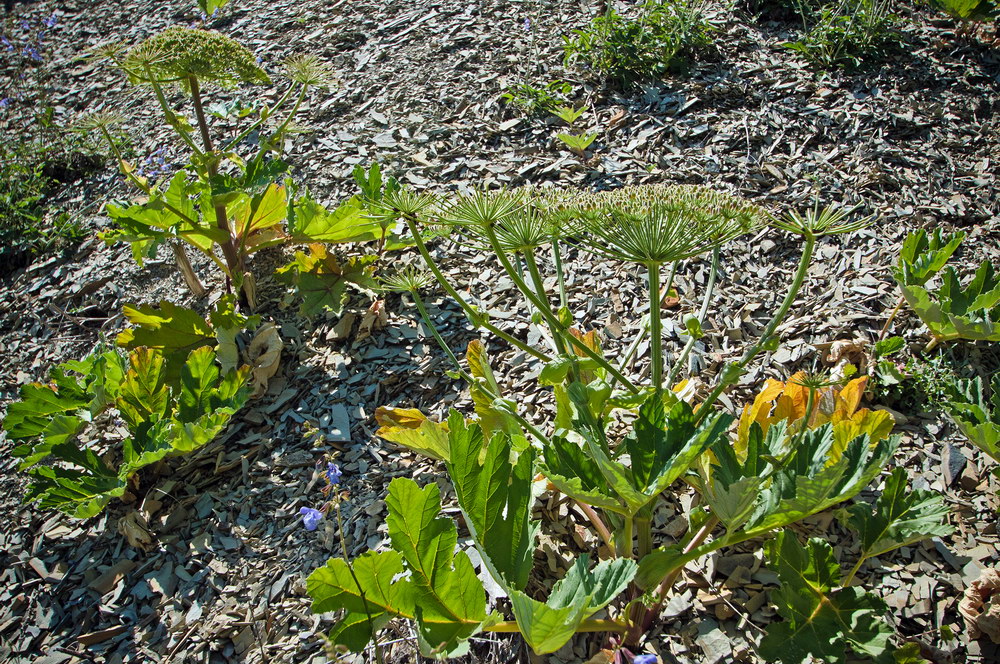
641,626
233,258
655,327
550,318
419,301
454,294
599,525
557,259
536,278
709,291
779,316
892,317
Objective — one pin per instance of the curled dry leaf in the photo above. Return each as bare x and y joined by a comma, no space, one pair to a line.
374,319
135,529
264,356
844,352
603,657
980,606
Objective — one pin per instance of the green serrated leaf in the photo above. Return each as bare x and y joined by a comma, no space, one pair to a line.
574,598
977,417
495,496
821,619
886,347
322,280
172,330
450,600
144,396
311,222
376,595
901,517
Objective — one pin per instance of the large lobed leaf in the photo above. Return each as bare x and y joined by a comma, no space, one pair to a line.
161,420
822,620
494,493
581,593
901,517
976,416
322,279
441,592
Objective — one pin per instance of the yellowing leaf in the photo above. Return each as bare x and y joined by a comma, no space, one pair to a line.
757,412
412,429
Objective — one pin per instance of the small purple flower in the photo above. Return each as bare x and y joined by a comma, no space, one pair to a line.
260,60
333,473
25,26
51,21
6,42
311,518
5,102
645,659
527,25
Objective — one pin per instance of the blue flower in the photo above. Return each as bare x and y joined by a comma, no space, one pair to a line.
6,42
333,473
25,26
527,25
645,659
310,518
5,102
51,21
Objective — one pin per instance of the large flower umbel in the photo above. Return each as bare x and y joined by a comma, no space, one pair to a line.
658,224
177,54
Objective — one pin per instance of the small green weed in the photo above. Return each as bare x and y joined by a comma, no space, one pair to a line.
844,32
536,100
658,42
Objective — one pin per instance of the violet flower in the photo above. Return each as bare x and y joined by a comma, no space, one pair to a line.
311,517
333,473
645,659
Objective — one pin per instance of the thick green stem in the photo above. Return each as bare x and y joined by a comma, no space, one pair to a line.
644,533
655,327
469,311
233,258
644,328
599,525
169,114
536,278
625,544
709,291
732,376
549,317
640,626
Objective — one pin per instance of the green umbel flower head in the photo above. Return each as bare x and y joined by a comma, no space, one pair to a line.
176,54
657,224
